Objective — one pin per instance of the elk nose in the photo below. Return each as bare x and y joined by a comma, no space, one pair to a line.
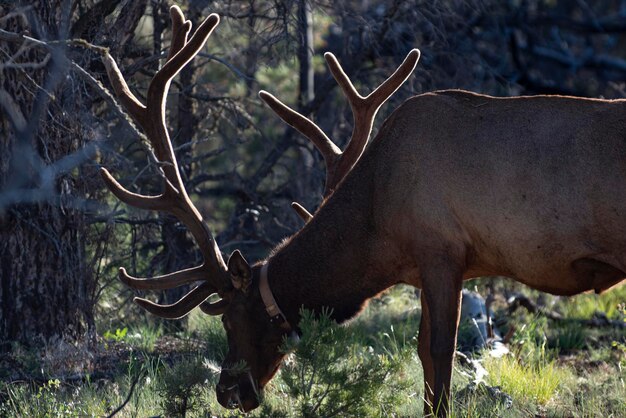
228,397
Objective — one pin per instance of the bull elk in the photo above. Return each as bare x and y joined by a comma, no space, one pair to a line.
455,185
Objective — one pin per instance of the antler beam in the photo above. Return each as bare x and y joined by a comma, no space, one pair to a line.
174,199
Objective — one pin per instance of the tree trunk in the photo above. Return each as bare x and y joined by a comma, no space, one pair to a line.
46,285
305,53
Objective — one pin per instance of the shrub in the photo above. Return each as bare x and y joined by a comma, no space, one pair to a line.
181,386
333,373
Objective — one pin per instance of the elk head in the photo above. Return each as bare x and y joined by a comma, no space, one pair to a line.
254,324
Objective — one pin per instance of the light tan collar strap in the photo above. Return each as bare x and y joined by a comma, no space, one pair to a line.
276,315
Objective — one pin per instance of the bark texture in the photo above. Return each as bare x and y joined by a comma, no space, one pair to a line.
46,284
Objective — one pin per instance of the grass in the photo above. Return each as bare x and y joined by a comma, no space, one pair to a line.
53,399
528,383
555,369
144,335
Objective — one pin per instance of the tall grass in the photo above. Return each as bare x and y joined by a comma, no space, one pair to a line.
536,383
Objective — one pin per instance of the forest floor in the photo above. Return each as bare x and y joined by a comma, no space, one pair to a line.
573,366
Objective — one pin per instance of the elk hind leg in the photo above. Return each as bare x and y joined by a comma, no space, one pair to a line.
442,293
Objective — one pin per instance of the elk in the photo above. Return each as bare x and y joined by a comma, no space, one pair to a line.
456,185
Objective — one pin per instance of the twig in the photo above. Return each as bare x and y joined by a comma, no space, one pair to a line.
605,25
29,65
130,394
20,37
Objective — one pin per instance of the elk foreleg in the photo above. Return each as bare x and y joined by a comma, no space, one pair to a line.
442,293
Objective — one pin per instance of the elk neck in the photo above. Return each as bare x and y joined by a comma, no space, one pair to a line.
336,261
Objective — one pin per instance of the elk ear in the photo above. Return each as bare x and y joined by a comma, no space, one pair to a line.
240,271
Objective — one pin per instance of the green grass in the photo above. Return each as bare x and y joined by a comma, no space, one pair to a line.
555,369
535,383
53,399
144,335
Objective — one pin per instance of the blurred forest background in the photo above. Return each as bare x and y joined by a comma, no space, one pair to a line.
63,235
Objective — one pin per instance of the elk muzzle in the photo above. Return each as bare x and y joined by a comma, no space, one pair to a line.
238,393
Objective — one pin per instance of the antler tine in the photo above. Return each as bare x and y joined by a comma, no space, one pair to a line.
133,199
180,30
364,110
395,80
301,211
180,308
128,99
159,86
215,308
305,126
166,281
174,199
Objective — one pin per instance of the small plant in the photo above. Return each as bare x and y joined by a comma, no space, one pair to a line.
586,305
117,336
181,385
530,341
332,373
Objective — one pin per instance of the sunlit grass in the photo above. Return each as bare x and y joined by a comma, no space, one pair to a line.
537,383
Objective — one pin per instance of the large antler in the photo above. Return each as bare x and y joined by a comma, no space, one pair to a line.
174,199
364,109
